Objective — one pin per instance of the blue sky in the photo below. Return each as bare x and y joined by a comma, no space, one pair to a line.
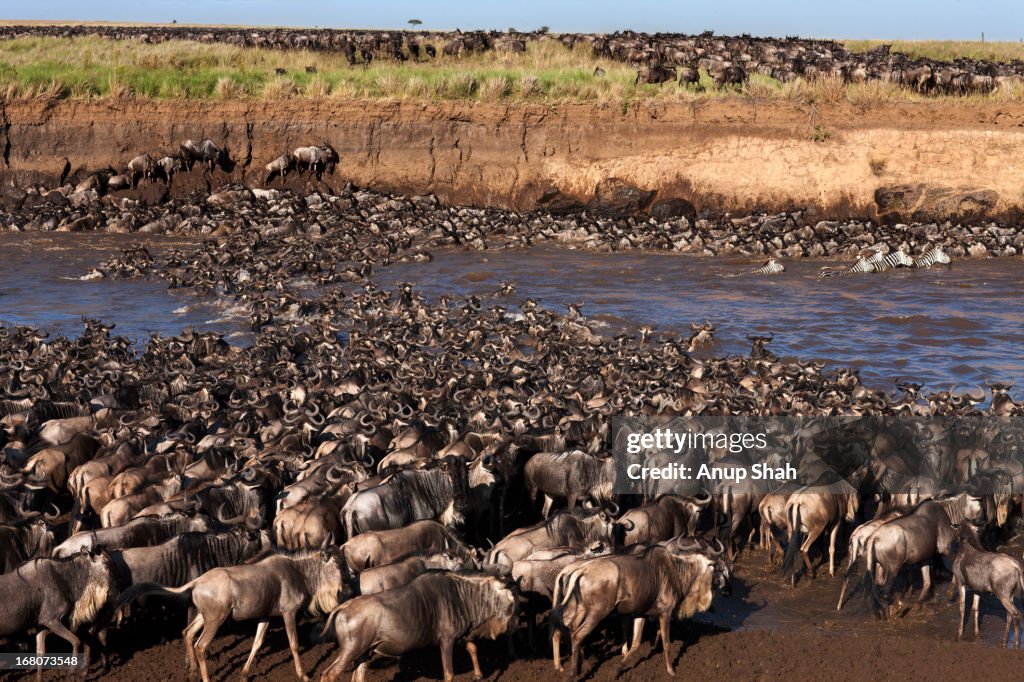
886,19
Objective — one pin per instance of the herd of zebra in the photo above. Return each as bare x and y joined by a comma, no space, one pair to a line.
880,261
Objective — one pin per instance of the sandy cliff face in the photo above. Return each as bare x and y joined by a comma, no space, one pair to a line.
895,161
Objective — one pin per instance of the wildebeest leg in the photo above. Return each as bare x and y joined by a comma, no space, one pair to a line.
638,631
360,674
548,501
977,607
471,649
261,631
663,624
585,628
293,643
57,628
40,650
926,583
963,607
446,659
189,635
832,550
209,632
556,649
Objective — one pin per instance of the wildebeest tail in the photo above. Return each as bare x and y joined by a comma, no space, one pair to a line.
144,589
795,539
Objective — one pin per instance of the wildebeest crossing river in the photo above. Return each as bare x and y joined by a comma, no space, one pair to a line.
944,327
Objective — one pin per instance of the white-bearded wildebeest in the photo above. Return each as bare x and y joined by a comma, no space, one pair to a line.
56,595
664,518
30,538
980,571
279,167
206,152
274,585
655,74
436,609
383,547
654,582
439,490
572,476
374,580
564,529
142,166
316,159
859,542
809,513
915,538
141,532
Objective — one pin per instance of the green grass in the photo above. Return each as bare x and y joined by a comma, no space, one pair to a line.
95,67
945,50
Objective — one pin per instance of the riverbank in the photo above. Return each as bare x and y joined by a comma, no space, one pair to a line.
894,162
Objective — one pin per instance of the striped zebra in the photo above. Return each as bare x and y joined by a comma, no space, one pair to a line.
879,262
936,255
896,259
862,265
772,267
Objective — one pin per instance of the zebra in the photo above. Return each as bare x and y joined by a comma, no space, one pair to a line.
862,265
883,262
879,262
936,255
772,267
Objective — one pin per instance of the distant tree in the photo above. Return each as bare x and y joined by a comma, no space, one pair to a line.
174,21
543,29
414,22
512,29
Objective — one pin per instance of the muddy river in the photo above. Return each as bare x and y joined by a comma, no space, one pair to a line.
946,327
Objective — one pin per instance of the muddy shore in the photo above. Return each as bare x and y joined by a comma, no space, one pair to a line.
896,161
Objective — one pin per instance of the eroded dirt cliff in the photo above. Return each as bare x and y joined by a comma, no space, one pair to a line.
896,160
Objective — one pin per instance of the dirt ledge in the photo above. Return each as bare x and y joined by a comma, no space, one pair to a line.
894,161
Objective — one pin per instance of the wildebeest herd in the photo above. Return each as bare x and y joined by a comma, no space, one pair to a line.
376,462
662,57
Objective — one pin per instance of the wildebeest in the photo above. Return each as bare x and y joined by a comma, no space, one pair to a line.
206,152
374,580
379,548
307,524
316,159
187,556
980,571
731,75
56,595
438,490
274,585
655,74
435,609
690,76
809,513
572,476
53,465
654,582
664,518
858,542
916,537
142,166
29,538
564,529
141,532
279,167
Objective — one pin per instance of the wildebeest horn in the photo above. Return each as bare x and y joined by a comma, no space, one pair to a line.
249,474
52,518
333,475
234,521
613,508
721,547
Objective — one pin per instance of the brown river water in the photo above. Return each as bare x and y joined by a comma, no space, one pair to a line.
946,327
